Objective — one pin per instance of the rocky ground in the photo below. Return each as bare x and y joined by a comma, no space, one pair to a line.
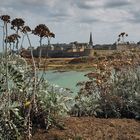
90,128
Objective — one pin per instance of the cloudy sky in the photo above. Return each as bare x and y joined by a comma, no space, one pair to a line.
73,20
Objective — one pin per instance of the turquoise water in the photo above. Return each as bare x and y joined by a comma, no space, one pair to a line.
66,79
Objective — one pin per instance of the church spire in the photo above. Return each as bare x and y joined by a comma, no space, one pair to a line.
90,40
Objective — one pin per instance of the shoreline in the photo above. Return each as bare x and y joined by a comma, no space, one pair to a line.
63,64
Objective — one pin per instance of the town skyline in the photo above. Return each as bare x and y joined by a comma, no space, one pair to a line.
73,20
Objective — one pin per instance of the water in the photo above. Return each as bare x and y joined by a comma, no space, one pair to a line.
66,79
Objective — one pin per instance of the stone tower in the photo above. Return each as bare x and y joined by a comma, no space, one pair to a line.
90,41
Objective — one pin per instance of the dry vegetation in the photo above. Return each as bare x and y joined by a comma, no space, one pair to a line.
90,128
27,100
117,98
29,103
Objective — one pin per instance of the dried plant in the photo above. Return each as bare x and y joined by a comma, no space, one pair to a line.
122,35
26,29
43,32
11,39
49,36
113,89
22,90
17,24
5,18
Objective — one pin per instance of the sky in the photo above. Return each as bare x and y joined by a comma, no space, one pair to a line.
73,20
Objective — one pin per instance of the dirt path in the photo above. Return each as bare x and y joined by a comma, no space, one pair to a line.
89,128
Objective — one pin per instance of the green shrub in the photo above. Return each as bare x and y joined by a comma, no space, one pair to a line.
118,96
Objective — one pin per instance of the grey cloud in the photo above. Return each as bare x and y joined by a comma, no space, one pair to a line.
88,20
95,4
19,7
136,16
117,3
88,4
83,5
59,14
54,11
75,12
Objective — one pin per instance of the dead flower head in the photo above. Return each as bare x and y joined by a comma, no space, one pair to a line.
5,18
51,34
17,22
12,38
41,30
26,29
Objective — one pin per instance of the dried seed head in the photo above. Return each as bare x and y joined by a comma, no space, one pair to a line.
5,18
26,29
17,22
41,30
51,34
12,38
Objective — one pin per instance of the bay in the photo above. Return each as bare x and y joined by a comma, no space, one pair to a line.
67,79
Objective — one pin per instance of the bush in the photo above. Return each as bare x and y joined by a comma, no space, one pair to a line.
110,95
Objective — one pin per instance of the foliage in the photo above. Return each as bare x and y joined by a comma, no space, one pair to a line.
113,89
26,99
53,101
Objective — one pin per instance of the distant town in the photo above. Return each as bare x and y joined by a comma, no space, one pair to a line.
76,49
